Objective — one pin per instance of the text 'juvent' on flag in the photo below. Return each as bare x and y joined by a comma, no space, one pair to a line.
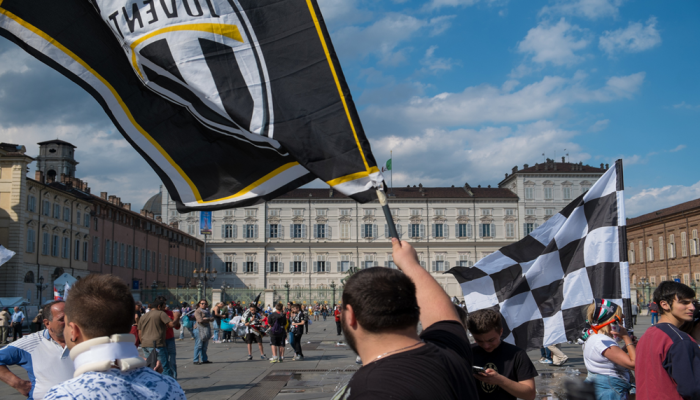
543,284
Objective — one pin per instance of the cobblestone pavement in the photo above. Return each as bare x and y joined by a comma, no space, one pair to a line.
327,365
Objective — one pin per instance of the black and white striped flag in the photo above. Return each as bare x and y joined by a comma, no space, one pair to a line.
543,284
231,102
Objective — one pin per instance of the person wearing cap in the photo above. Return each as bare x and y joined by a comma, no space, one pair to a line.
608,365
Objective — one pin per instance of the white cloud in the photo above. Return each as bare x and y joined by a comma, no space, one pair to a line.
436,4
339,13
554,44
591,9
485,103
434,64
599,125
678,148
652,199
384,36
685,106
451,157
633,39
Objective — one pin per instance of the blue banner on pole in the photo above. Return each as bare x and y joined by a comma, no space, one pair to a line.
205,223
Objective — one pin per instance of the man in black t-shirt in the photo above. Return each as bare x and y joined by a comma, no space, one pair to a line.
380,313
509,373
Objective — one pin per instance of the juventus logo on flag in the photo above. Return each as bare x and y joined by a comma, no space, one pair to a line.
543,284
231,102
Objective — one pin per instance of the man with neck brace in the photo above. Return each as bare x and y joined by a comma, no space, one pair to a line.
98,317
43,354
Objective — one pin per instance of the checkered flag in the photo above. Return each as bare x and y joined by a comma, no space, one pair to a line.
543,284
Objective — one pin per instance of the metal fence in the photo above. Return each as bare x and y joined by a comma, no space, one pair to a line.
174,295
309,296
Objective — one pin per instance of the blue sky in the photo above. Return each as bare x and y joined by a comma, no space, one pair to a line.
460,90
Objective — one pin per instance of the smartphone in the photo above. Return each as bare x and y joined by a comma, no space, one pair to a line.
477,370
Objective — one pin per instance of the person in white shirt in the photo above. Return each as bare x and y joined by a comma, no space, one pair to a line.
43,354
99,314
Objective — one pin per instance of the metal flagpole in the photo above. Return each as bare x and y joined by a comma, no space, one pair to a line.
391,157
624,276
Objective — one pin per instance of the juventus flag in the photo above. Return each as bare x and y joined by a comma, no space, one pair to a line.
231,102
544,283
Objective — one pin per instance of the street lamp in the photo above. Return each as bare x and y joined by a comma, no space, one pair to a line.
333,287
40,288
286,286
204,276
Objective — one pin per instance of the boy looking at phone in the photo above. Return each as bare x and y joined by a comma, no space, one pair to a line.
506,371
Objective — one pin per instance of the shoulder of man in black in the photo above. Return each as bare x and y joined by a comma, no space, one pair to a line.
449,335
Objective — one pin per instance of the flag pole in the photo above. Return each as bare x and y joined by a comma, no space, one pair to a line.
625,275
391,157
387,213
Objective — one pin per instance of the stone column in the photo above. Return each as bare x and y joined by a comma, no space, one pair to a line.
269,297
215,296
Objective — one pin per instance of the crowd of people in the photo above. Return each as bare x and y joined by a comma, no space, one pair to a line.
90,345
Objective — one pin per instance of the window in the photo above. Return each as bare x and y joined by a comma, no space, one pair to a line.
298,231
464,230
694,243
485,211
661,248
273,212
416,230
250,265
439,230
662,278
65,249
488,230
530,211
686,279
567,193
462,211
95,223
115,253
54,245
56,211
464,260
137,258
345,230
320,231
510,211
228,213
129,257
549,212
46,208
369,231
684,245
391,264
66,214
345,263
697,277
345,211
30,240
298,265
274,264
95,250
584,188
369,262
672,246
191,229
298,212
530,193
77,217
439,264
227,231
31,203
529,227
548,193
85,250
439,211
147,260
415,211
395,212
641,251
76,251
652,279
510,230
650,251
631,253
321,264
321,212
250,231
250,212
369,211
273,231
45,244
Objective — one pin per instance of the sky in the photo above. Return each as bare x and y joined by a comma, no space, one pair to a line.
459,90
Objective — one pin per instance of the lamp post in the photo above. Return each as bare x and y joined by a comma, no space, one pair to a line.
204,276
333,287
286,286
40,288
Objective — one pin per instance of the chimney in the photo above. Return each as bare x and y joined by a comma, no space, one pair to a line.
103,195
150,215
602,166
112,199
563,159
525,166
39,176
515,169
607,166
159,219
63,178
143,212
506,175
127,206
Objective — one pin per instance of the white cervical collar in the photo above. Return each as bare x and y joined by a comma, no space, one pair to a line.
103,353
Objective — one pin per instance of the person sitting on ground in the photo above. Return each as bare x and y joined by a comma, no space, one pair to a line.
43,354
99,314
668,364
508,372
608,365
380,313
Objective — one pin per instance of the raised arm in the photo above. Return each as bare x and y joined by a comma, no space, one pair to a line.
434,303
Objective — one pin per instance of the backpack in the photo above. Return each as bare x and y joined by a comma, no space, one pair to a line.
277,329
